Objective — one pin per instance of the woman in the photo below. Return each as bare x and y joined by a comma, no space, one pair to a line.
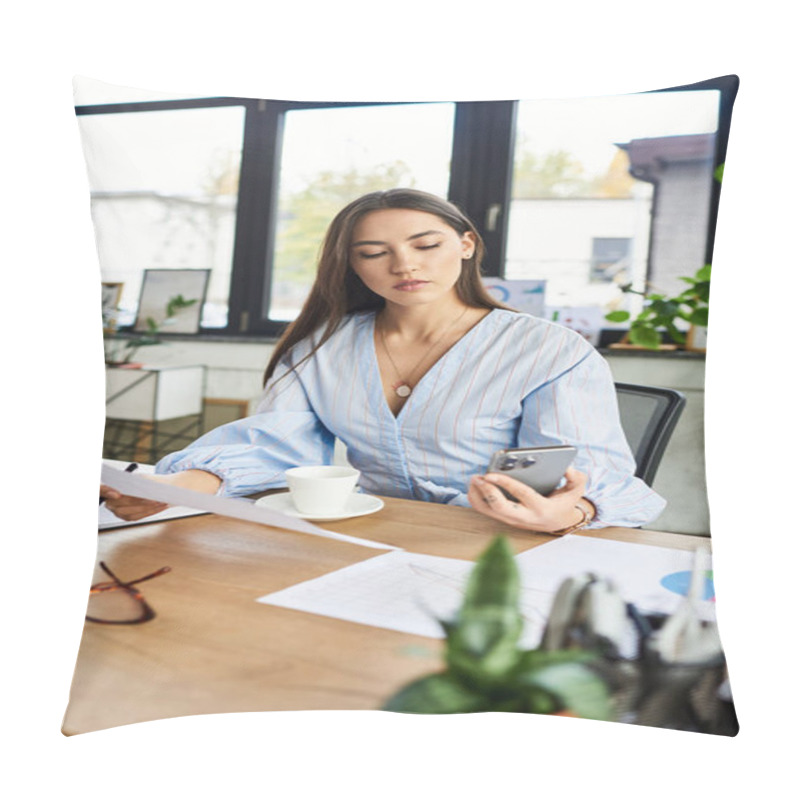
401,354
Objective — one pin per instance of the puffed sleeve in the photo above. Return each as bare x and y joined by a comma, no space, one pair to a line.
579,407
251,454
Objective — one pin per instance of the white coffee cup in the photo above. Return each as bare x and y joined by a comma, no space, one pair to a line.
321,490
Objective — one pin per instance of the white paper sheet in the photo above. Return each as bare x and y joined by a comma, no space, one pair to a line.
107,519
239,508
402,591
408,592
643,574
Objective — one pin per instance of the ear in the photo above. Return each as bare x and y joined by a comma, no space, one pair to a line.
467,245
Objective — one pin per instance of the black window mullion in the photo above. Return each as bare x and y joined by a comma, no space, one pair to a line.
255,220
728,87
159,105
480,181
482,166
252,282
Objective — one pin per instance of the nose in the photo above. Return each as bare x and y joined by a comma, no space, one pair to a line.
404,261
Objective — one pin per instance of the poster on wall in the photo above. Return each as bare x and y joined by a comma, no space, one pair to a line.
527,296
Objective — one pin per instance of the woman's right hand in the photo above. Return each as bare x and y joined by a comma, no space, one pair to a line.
132,509
129,508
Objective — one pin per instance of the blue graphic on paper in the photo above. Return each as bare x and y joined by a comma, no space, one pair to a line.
678,582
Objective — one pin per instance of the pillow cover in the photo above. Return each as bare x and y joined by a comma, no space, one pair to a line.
604,206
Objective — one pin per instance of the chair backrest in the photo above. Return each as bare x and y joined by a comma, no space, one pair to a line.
649,415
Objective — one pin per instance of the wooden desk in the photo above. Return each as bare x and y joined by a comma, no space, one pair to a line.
213,649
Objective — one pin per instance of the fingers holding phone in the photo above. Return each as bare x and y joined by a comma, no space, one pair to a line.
531,488
540,468
529,510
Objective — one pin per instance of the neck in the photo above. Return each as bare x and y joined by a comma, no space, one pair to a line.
421,322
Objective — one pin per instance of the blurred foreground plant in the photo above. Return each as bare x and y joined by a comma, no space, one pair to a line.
487,670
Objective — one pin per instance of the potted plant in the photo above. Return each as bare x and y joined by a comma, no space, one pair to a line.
120,350
487,670
662,314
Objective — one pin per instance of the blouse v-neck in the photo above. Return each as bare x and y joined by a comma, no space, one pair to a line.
425,378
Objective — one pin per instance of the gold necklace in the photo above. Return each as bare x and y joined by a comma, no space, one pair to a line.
403,387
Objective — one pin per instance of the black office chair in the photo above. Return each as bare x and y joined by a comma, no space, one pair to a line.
649,415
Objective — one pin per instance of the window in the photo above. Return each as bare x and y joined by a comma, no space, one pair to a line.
611,261
585,179
331,156
164,189
583,194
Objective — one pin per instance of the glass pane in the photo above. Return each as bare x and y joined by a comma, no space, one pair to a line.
164,189
580,220
333,155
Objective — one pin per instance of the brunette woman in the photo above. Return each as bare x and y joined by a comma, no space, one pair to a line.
401,354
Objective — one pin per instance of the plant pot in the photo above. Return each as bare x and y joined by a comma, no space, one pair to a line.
629,346
696,339
624,344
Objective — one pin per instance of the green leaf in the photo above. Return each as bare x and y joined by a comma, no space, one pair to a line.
676,335
576,686
618,316
494,580
645,337
703,291
718,172
704,273
177,302
538,701
482,649
699,317
482,641
440,693
539,659
667,309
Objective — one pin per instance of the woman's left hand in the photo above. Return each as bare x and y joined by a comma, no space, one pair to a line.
533,511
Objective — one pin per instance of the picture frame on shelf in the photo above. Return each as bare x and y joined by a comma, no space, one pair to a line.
110,296
159,287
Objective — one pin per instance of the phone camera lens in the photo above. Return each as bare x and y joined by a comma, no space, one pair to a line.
508,463
528,461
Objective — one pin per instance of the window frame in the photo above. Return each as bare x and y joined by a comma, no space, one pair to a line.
480,184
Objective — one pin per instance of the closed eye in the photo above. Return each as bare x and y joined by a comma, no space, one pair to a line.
371,255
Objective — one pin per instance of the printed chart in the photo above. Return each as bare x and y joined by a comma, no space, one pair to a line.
410,592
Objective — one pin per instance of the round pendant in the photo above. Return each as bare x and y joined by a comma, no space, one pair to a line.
403,390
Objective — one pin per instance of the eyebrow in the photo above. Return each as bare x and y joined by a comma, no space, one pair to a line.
415,236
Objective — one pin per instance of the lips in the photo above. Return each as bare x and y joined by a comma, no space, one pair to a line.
410,286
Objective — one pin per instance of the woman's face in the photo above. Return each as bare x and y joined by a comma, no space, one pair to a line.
408,257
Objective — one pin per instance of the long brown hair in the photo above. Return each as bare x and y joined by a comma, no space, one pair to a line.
338,291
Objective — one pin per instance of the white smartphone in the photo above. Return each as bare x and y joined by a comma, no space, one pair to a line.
541,468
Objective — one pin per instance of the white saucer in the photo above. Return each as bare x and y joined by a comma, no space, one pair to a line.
357,506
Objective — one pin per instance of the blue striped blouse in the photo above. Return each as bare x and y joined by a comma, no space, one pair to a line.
512,381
